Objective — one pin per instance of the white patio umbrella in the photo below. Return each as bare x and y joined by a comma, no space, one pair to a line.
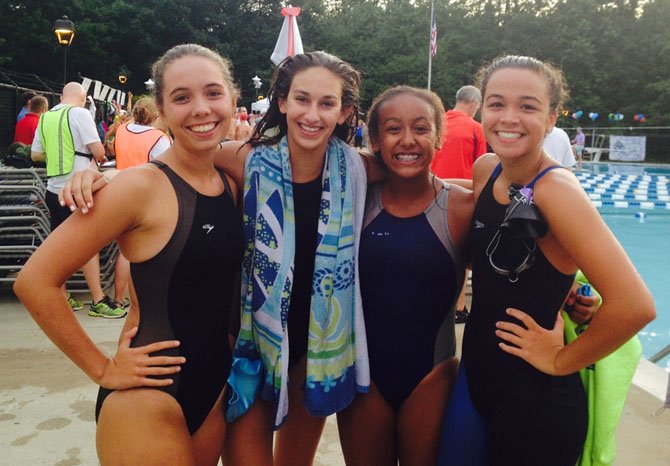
289,42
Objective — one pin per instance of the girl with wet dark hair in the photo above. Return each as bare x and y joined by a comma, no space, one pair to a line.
301,353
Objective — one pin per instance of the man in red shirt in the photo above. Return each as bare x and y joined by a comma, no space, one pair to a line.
24,131
463,139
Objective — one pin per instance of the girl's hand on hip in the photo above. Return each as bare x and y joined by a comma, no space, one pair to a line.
132,367
534,344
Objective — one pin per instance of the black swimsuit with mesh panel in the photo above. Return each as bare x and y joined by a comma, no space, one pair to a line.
185,293
533,418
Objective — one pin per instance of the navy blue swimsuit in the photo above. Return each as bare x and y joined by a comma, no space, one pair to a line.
411,276
185,293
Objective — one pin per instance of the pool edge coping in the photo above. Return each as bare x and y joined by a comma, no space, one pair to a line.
652,378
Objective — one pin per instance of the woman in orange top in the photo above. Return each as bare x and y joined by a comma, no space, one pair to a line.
137,141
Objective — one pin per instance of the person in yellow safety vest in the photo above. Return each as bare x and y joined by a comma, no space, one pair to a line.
68,140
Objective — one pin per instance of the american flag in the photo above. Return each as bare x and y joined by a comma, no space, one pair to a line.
433,39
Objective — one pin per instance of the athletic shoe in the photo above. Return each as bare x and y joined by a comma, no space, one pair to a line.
107,309
124,303
461,317
75,304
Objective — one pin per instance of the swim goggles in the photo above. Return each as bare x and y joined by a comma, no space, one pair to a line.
522,221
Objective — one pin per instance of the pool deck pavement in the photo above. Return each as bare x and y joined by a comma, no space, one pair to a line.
47,404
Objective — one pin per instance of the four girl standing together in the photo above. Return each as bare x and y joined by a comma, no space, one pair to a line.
324,267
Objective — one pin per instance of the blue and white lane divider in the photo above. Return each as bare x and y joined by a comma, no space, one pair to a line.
626,191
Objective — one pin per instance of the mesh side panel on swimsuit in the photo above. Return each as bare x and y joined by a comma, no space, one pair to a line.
531,417
410,278
185,293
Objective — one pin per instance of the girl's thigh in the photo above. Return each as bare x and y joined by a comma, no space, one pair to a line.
420,416
208,439
143,426
367,430
298,438
248,439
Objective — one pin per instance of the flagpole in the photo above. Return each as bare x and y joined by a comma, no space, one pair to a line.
430,41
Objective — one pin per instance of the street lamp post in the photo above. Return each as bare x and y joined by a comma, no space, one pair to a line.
64,30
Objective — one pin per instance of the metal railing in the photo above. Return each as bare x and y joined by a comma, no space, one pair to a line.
660,355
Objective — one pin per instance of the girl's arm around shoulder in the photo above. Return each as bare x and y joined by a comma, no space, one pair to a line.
231,158
463,182
583,235
78,191
374,168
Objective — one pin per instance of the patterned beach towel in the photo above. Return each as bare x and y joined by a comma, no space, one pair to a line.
337,362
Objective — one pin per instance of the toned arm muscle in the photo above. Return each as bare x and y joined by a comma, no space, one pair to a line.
580,230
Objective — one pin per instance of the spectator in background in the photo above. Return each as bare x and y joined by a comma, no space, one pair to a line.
121,116
230,134
26,126
67,139
242,128
579,142
557,145
360,132
463,141
137,141
24,102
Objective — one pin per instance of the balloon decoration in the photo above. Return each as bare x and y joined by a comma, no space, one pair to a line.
611,117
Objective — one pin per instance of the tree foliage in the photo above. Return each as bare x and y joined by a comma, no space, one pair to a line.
615,53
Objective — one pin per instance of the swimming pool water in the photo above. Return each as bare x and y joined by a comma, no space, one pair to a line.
648,245
643,230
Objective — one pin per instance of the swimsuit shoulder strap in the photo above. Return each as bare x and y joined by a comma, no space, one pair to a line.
496,171
541,174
